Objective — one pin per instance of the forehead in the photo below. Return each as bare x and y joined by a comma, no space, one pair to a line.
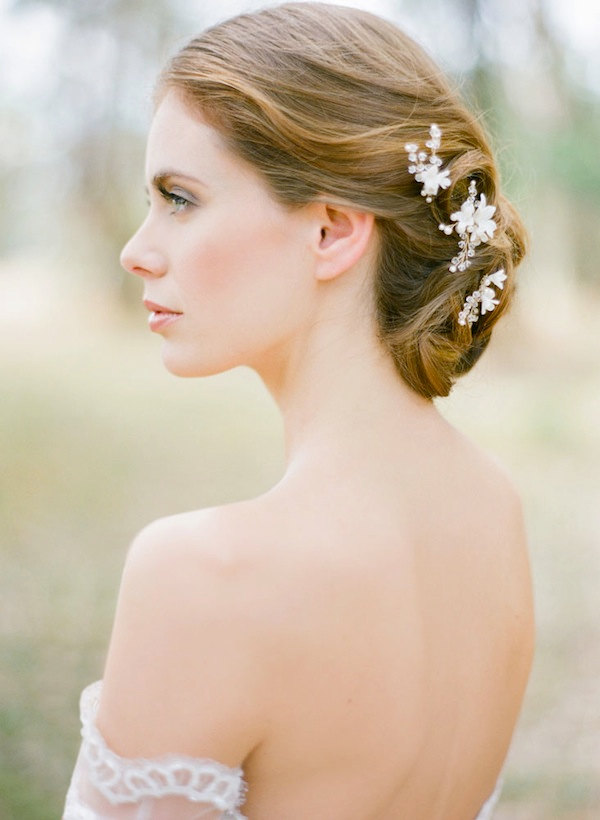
180,138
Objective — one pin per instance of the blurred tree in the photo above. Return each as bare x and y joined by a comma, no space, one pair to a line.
106,55
508,57
513,62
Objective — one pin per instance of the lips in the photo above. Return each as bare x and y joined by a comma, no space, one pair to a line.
160,315
156,308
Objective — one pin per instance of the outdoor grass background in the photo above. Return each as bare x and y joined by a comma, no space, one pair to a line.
97,439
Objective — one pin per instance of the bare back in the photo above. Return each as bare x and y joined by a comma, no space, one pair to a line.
356,641
402,602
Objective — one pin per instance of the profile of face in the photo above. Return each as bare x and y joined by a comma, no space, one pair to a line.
228,273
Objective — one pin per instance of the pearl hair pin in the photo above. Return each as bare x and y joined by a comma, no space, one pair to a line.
427,167
473,223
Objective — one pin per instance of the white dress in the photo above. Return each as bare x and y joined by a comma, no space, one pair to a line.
105,786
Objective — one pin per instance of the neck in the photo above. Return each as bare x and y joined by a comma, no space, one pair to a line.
340,394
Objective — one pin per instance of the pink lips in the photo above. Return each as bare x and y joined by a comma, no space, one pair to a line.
160,316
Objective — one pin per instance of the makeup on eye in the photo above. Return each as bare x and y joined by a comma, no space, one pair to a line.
178,201
181,199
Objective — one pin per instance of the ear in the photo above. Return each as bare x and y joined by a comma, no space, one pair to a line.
343,238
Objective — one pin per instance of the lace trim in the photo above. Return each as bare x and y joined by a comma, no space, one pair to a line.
125,780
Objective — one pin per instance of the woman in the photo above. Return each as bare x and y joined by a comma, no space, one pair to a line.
354,644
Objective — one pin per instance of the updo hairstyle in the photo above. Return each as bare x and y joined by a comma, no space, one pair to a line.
321,99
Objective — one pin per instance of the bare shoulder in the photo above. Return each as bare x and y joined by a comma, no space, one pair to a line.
188,656
516,619
497,515
489,482
197,567
209,539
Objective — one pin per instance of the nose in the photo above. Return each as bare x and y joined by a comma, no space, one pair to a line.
142,258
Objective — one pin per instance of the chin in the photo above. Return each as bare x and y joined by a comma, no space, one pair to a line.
190,367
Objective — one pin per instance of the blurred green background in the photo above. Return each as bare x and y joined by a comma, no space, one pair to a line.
96,438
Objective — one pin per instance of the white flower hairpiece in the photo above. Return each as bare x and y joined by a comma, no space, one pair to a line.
473,223
484,296
426,167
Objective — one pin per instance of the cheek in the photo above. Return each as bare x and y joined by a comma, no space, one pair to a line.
251,280
244,291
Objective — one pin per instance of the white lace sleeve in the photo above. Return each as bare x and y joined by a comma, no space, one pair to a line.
105,786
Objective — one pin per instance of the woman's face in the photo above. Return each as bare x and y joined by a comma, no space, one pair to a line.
226,269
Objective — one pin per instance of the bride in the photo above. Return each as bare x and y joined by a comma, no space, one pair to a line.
355,643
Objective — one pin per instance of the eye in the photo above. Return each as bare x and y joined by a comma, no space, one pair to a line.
179,202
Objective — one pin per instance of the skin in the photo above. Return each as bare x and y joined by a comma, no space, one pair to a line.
359,637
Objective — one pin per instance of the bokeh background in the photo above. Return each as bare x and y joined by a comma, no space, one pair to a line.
96,438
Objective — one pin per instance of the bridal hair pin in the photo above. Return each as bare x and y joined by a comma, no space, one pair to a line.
427,167
473,223
484,296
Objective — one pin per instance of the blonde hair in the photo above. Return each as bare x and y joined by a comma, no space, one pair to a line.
321,99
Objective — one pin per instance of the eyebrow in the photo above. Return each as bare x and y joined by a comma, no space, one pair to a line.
159,179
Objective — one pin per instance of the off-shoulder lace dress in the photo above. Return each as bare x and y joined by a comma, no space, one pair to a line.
105,786
171,787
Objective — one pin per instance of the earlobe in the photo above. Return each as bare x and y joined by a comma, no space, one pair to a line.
344,237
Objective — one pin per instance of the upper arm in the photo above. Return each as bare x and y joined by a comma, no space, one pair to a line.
185,666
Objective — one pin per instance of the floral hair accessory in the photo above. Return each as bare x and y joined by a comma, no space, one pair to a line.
482,300
427,167
473,223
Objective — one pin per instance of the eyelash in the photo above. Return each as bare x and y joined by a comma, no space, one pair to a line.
179,203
